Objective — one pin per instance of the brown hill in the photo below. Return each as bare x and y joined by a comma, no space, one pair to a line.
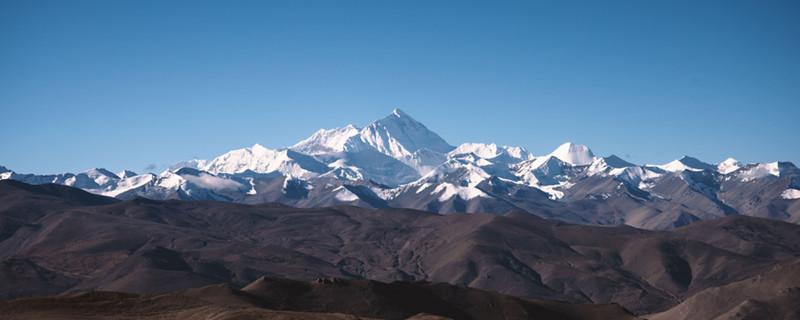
54,244
331,298
773,295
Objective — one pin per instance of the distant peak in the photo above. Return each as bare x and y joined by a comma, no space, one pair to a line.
731,161
258,147
399,113
188,171
574,154
399,135
616,162
399,117
102,171
694,162
728,166
686,163
126,174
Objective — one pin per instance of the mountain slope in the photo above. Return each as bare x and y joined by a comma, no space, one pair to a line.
148,246
772,295
328,298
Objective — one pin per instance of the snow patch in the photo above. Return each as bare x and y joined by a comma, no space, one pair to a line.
423,187
384,193
130,183
450,190
252,190
343,194
790,194
208,181
639,176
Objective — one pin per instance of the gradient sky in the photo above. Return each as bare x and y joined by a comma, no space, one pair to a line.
141,85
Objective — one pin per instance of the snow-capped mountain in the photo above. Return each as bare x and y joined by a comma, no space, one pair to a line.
573,154
326,141
398,136
260,160
686,163
398,162
492,152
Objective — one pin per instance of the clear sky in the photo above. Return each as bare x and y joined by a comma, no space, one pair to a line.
141,85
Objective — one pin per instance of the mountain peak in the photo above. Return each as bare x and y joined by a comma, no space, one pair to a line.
616,162
399,113
399,135
126,174
575,154
731,161
100,171
399,116
728,166
694,162
323,141
686,163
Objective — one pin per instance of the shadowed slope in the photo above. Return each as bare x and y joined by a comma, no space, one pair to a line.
331,298
147,246
773,295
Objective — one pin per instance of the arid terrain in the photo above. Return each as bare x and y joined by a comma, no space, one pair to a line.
56,240
330,298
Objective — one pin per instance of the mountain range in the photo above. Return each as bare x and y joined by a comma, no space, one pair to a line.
397,162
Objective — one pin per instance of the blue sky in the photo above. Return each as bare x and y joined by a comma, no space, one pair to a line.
127,84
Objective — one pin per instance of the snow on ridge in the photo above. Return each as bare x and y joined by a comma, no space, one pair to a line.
686,163
424,160
728,166
638,176
323,141
263,160
208,181
482,150
344,194
126,174
130,183
170,180
760,170
518,153
449,190
492,151
344,172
